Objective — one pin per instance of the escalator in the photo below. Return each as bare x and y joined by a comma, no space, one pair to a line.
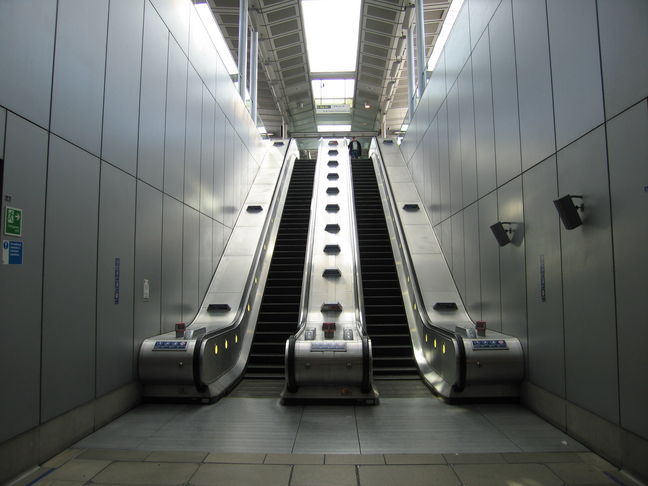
279,311
393,355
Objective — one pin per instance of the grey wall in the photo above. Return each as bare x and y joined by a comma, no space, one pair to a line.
113,118
549,99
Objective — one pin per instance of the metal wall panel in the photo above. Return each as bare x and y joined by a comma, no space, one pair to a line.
512,269
505,99
437,86
171,308
148,260
3,124
467,121
484,129
230,190
20,300
193,133
588,281
190,263
26,74
434,204
150,165
79,68
219,164
576,70
207,155
628,149
115,279
458,253
457,47
202,52
546,360
481,12
624,37
69,279
122,91
537,137
454,144
176,107
446,241
489,263
472,295
444,162
217,243
175,14
205,268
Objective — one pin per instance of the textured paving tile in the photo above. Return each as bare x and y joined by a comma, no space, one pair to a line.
538,457
506,474
407,476
233,458
241,474
414,459
114,454
304,475
354,459
60,459
473,458
79,470
177,456
294,459
579,473
146,473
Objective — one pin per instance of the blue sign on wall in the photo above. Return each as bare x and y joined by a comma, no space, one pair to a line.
12,252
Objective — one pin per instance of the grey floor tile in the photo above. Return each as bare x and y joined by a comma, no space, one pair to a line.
114,454
414,459
596,460
147,473
241,474
304,475
60,459
57,482
233,458
79,470
579,473
327,429
176,456
536,457
407,476
354,459
474,458
506,474
294,459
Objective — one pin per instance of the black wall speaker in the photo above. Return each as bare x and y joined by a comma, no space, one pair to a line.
501,234
568,212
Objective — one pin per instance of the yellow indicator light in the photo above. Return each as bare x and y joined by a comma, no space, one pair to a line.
426,338
435,344
236,339
443,348
265,247
414,306
408,279
216,349
256,280
248,307
226,344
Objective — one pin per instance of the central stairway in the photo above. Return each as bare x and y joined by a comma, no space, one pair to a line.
393,356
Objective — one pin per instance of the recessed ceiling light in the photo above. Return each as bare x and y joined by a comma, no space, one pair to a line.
367,105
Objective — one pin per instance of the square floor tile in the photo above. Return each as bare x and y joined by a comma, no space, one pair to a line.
294,459
596,460
506,474
407,476
146,473
414,459
354,459
323,476
241,474
114,454
473,458
535,457
233,458
57,482
176,456
79,470
579,473
65,456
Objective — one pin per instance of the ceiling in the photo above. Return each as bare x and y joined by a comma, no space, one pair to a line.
284,80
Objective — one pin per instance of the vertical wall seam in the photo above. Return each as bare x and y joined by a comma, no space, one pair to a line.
166,106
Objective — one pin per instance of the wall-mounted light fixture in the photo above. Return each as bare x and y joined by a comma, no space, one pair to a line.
568,211
502,231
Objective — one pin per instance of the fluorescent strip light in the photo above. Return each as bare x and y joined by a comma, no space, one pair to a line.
333,128
449,21
404,127
262,130
332,28
205,13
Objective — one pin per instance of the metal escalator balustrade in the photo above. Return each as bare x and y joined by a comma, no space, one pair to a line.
386,320
279,311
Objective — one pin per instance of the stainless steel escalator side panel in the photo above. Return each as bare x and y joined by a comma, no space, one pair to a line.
454,361
214,360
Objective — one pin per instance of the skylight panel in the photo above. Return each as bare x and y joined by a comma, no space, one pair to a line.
332,28
329,90
333,128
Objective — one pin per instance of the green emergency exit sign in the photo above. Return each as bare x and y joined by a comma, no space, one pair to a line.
13,221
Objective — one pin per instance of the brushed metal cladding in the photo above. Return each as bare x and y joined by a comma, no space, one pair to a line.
148,261
575,68
229,190
537,138
489,256
176,107
505,97
437,86
205,268
25,170
472,295
207,161
190,263
115,280
458,253
481,12
446,241
512,267
3,124
623,36
193,139
546,361
26,75
79,71
69,275
628,151
202,52
217,243
484,124
150,162
467,123
454,144
171,287
457,47
219,164
122,88
175,14
434,203
588,280
444,161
